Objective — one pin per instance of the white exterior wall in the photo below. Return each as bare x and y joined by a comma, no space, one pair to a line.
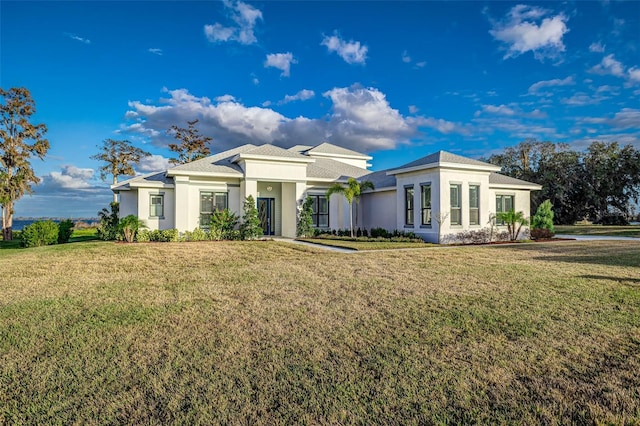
292,194
361,163
166,222
274,171
378,210
129,203
415,179
339,212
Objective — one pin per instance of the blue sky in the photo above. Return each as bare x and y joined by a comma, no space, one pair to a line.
397,80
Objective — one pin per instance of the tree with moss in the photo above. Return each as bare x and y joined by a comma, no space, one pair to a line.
350,192
192,145
119,157
16,133
250,228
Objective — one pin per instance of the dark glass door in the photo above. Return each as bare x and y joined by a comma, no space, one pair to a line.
267,215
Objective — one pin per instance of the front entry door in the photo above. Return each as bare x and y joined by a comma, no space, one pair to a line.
267,215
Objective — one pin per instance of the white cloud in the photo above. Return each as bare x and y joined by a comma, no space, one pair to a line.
413,109
244,17
405,57
360,118
281,61
302,95
439,124
596,47
77,38
421,64
556,82
526,29
581,99
496,110
352,51
70,177
155,51
225,98
634,74
153,163
255,81
609,65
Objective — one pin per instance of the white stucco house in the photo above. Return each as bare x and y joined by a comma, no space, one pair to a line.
406,198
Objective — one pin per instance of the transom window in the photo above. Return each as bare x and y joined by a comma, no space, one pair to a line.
474,204
456,204
425,190
320,208
504,203
210,202
156,205
408,205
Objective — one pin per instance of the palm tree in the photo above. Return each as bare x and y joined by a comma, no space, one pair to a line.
511,219
350,192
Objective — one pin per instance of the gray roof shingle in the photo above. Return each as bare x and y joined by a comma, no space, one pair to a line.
155,177
327,148
380,179
498,179
268,150
218,163
443,157
326,168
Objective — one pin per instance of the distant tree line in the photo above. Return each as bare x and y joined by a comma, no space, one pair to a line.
600,184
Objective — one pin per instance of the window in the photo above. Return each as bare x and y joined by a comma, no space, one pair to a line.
320,208
425,190
408,205
210,202
456,204
156,205
474,204
504,203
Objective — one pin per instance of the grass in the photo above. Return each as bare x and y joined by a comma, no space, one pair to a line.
616,231
365,245
275,333
78,235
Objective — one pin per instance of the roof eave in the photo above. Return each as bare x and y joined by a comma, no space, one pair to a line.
532,186
200,173
324,154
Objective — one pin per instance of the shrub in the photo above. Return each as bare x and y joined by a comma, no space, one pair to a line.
543,219
304,225
143,236
198,234
541,234
514,221
128,227
169,235
41,233
65,229
109,221
617,219
380,232
250,228
223,223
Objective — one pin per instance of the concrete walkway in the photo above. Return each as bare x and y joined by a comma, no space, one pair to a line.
318,246
597,237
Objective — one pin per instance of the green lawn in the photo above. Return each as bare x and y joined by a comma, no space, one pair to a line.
275,333
617,231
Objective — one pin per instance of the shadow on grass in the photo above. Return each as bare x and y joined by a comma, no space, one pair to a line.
610,253
618,279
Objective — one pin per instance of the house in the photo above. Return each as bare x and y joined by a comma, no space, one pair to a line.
413,197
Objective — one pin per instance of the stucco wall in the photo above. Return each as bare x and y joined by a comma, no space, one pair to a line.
144,198
378,210
128,203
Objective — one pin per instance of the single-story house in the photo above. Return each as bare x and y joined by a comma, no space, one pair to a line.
441,189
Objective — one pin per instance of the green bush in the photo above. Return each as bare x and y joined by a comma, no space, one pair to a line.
109,222
543,219
41,233
198,234
250,228
169,235
223,222
304,226
158,236
143,236
128,227
65,229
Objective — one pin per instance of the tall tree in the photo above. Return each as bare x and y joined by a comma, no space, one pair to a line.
192,145
119,157
350,192
16,130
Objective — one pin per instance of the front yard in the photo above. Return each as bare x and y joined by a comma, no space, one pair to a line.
275,333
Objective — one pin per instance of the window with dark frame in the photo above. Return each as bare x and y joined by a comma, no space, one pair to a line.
210,202
504,203
320,211
425,190
408,205
156,205
456,204
474,205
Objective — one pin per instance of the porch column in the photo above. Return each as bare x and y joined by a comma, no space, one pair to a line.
292,193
